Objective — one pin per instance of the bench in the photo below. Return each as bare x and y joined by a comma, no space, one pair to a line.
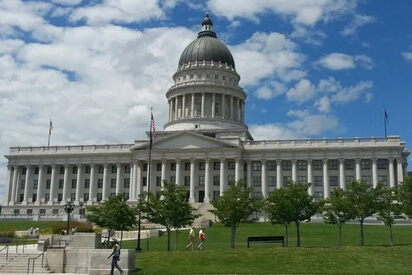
266,239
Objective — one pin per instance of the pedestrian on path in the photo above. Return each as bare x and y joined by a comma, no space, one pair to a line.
191,238
202,238
116,257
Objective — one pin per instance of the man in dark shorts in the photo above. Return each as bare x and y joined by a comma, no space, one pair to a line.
116,257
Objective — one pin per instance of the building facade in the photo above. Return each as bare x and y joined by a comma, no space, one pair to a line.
205,146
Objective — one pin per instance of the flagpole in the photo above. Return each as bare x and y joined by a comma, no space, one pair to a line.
385,120
48,139
150,152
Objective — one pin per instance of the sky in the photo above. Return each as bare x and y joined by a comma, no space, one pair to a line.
310,68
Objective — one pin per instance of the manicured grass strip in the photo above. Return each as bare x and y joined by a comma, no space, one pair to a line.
25,225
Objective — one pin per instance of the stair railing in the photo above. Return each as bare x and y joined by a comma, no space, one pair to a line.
6,247
33,260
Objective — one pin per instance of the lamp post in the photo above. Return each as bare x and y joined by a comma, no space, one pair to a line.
68,207
139,248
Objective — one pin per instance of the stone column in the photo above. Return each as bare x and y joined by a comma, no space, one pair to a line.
40,184
400,170
207,180
391,174
53,184
249,173
65,184
238,109
278,174
222,176
178,179
9,184
325,179
374,172
192,180
264,180
105,182
358,169
92,186
310,176
342,184
139,185
213,104
223,106
118,177
203,105
294,171
14,186
193,105
238,170
183,106
163,174
175,105
78,183
132,180
26,185
170,108
231,107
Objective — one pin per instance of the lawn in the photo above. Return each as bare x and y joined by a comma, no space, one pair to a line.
25,225
319,254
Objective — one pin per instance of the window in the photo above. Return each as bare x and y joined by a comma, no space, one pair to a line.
158,167
100,169
99,183
87,170
126,169
62,170
29,212
42,212
187,166
286,165
271,181
286,179
36,170
317,181
216,180
271,165
21,197
257,194
349,164
112,195
86,183
333,181
126,196
114,169
256,181
365,164
61,183
49,170
317,164
199,76
72,196
191,76
23,172
34,197
256,166
48,182
145,167
201,180
144,181
216,165
59,197
22,184
302,179
74,183
366,179
349,179
382,164
16,212
113,183
333,164
172,179
35,183
187,180
231,165
126,183
55,211
302,165
230,179
208,76
383,179
216,76
158,182
173,166
74,169
318,195
201,166
216,195
99,196
224,77
46,197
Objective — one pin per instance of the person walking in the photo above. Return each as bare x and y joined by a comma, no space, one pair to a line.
116,257
202,238
191,238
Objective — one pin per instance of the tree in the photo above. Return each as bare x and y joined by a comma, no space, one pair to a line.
405,194
338,210
291,203
170,209
113,214
364,202
389,208
235,206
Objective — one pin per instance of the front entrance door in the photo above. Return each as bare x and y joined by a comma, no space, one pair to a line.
201,195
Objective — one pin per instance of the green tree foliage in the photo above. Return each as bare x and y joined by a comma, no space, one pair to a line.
389,208
113,214
338,210
235,206
364,200
170,209
405,193
291,203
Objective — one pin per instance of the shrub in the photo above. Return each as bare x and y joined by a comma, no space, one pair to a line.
8,233
81,227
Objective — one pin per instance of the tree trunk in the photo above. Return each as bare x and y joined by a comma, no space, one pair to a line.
176,239
361,233
233,236
121,238
340,234
286,236
297,234
168,238
390,232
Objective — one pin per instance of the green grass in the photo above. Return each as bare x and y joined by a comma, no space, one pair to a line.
319,254
25,225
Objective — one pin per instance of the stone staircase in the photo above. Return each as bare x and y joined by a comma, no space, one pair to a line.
202,209
17,262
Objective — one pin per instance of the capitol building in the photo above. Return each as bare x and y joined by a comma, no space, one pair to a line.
205,146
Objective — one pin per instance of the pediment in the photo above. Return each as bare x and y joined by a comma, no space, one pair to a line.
186,140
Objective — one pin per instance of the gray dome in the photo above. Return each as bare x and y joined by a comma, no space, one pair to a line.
207,47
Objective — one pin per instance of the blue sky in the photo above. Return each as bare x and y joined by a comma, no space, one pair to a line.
311,68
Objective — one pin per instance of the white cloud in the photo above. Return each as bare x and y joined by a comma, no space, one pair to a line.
407,56
357,22
329,85
340,61
352,93
67,2
270,90
323,104
303,91
271,131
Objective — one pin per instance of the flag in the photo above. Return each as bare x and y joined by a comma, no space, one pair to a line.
153,135
385,115
50,127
